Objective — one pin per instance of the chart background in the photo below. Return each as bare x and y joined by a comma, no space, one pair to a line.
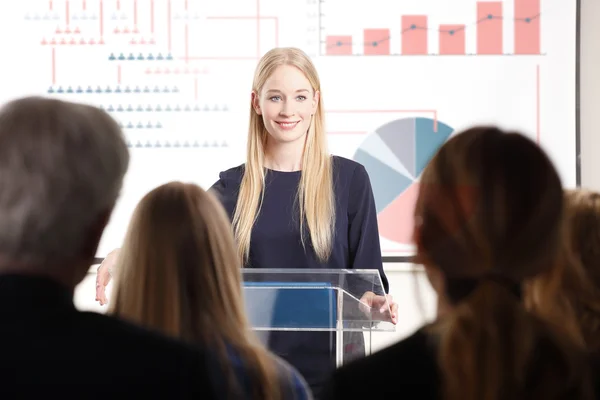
215,47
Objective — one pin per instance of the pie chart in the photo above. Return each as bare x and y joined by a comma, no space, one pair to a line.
394,157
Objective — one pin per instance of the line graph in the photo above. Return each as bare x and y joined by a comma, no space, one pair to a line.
415,34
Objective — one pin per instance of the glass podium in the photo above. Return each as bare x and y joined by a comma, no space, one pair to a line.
312,316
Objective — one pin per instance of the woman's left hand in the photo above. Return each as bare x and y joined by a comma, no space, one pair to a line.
380,307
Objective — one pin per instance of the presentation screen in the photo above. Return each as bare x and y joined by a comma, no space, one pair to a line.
398,79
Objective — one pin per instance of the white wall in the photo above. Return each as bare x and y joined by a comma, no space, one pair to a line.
590,94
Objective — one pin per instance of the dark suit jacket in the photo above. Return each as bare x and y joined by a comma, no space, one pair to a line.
405,370
50,349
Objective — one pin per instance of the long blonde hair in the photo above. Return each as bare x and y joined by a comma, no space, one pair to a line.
570,294
315,197
178,272
490,216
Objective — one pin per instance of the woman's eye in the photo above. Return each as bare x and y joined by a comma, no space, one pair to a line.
301,98
275,98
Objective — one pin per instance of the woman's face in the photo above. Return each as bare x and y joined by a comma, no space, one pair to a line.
286,103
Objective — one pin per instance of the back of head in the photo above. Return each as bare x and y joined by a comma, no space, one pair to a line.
575,286
178,246
489,217
179,274
583,227
61,169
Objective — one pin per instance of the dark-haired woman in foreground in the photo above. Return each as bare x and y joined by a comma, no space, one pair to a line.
489,217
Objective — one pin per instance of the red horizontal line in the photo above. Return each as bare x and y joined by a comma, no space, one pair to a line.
435,120
218,58
240,17
379,111
347,133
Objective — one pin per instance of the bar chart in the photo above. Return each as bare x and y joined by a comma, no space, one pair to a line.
483,29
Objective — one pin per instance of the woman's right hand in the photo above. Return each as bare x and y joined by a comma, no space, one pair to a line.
103,276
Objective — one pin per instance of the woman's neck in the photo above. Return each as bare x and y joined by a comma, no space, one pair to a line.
285,157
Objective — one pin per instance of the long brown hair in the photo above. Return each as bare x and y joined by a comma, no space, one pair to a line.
489,216
573,288
178,272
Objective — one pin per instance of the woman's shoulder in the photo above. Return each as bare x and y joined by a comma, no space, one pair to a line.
293,385
350,176
235,173
396,371
344,165
412,359
228,179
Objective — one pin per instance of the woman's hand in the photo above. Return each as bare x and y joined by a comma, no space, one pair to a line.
379,307
103,276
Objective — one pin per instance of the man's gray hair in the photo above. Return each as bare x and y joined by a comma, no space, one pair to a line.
61,166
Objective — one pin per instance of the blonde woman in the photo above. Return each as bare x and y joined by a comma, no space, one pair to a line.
569,294
292,204
178,273
583,219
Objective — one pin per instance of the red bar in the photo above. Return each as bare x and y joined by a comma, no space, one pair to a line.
527,26
135,15
414,34
339,45
377,42
67,14
53,66
187,43
101,20
489,27
452,39
152,16
169,25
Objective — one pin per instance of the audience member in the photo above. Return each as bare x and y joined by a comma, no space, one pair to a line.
61,170
178,272
489,217
569,295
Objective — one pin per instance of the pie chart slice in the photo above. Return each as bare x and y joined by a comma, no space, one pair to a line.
376,147
431,135
396,221
413,141
385,181
399,136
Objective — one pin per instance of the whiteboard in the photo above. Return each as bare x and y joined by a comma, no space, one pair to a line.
398,79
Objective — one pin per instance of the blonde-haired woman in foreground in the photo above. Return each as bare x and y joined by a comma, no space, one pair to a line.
178,272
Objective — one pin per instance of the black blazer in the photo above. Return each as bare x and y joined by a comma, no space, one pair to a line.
405,370
48,348
408,370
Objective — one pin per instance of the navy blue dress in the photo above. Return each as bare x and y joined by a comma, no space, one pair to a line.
275,243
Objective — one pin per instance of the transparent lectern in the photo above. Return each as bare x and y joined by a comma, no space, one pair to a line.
288,307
